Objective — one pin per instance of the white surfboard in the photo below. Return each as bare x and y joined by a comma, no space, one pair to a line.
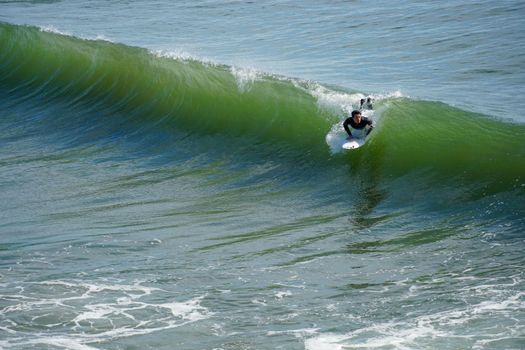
353,143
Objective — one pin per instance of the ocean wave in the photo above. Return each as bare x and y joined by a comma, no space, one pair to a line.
300,119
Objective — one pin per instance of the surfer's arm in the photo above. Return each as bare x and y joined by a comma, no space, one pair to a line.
345,126
370,126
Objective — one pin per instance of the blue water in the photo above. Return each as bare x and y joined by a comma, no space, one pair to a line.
171,176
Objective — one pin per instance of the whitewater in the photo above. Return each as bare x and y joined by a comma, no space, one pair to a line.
171,175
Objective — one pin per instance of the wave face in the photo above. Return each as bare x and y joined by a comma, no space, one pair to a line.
148,197
289,117
186,94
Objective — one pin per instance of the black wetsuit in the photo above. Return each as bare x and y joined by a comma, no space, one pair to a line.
364,122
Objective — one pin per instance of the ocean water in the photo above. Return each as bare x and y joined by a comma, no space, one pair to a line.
171,175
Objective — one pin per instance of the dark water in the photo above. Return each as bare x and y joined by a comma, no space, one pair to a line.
155,200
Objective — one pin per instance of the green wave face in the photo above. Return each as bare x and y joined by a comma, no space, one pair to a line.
284,116
429,135
192,95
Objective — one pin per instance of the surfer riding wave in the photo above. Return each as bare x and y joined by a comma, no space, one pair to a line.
357,126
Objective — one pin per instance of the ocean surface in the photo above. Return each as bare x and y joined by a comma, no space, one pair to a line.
171,175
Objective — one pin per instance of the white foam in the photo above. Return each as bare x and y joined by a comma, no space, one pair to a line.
53,29
335,100
376,336
176,55
343,102
281,295
101,37
392,94
408,334
244,77
61,342
190,310
335,138
97,312
92,287
299,333
325,342
182,56
514,302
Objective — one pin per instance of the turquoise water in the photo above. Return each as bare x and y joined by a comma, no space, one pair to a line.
170,176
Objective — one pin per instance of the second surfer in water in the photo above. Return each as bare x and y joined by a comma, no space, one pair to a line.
366,104
358,124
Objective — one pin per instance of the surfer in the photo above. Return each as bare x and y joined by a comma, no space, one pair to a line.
366,104
358,124
369,103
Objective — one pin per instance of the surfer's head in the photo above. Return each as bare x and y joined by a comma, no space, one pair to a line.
356,115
